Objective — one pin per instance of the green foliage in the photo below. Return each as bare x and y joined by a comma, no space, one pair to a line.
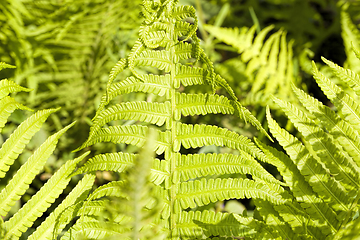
166,131
17,224
63,50
322,168
266,65
187,184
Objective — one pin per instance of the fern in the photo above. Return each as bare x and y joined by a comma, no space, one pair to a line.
62,51
267,64
19,183
185,183
322,169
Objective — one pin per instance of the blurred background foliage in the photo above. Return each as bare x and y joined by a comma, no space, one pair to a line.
65,49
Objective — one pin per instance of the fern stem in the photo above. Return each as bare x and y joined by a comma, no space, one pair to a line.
173,124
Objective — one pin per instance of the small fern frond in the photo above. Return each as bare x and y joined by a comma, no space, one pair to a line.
196,225
351,37
155,113
194,166
315,176
119,162
352,79
7,106
202,192
193,136
7,86
5,65
194,104
346,105
131,134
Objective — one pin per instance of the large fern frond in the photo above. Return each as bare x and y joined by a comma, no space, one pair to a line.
169,48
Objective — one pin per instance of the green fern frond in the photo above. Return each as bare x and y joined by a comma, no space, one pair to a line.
194,104
7,106
155,113
342,131
267,64
118,162
15,144
111,189
95,230
201,135
351,37
132,134
194,166
196,225
314,176
336,162
7,86
21,180
169,48
202,192
347,106
46,230
352,79
5,65
35,207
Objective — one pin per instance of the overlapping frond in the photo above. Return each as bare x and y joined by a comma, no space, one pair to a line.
15,144
322,170
46,230
35,207
21,180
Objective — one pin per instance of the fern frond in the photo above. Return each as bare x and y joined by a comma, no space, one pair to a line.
191,104
241,39
273,220
352,79
333,158
157,59
347,106
111,189
46,230
24,176
5,65
133,134
351,37
7,86
188,76
95,230
194,166
202,135
195,225
313,173
15,144
155,113
342,131
118,68
118,162
169,48
35,207
150,83
7,106
202,192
